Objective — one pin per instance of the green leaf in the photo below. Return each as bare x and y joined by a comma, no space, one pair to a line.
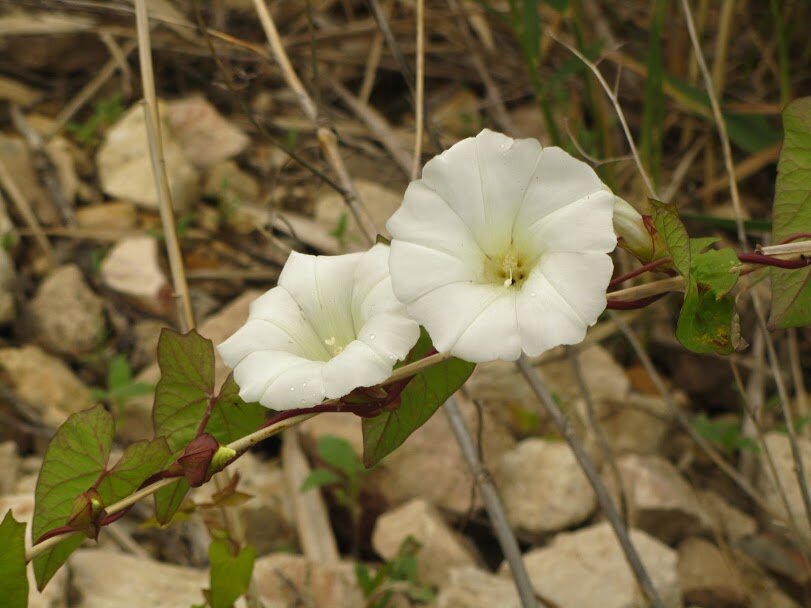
531,29
232,418
706,323
670,228
421,398
230,574
74,460
713,268
138,462
128,391
48,563
185,388
13,578
338,453
318,478
169,499
791,289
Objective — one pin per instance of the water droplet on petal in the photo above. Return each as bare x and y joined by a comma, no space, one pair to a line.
532,295
304,385
292,388
392,358
372,337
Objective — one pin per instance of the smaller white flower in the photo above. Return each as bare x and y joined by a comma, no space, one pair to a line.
331,325
502,248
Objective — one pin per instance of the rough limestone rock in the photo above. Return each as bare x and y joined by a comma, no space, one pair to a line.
707,577
469,587
132,268
206,137
68,317
104,579
45,383
779,448
587,569
125,168
441,547
733,523
115,215
543,487
9,467
290,580
660,501
428,465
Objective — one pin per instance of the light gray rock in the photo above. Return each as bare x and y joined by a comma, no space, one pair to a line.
543,487
733,523
779,448
104,579
635,424
441,547
587,569
132,269
45,383
206,137
68,317
125,168
285,580
660,501
707,577
428,465
469,587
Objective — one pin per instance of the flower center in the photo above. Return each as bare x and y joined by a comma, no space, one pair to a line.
509,270
333,346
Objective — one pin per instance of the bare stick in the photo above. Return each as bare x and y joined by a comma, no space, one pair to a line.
495,510
326,137
603,497
153,131
24,209
617,108
800,395
419,99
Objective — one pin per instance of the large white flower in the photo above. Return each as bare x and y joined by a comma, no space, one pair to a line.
331,325
502,247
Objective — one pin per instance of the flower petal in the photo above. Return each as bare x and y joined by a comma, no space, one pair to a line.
582,226
300,385
581,279
357,365
420,269
483,179
391,336
322,288
261,369
545,319
558,180
451,310
446,231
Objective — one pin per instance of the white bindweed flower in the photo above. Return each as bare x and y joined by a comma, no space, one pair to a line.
502,247
331,325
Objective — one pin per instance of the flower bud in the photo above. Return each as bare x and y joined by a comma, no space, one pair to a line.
634,234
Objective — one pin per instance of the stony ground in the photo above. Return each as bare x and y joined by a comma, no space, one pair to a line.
84,292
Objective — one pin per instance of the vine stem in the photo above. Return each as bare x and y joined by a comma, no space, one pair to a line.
603,497
244,443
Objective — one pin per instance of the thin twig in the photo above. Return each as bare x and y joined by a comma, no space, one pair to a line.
419,99
587,466
800,395
11,188
495,510
326,137
153,131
